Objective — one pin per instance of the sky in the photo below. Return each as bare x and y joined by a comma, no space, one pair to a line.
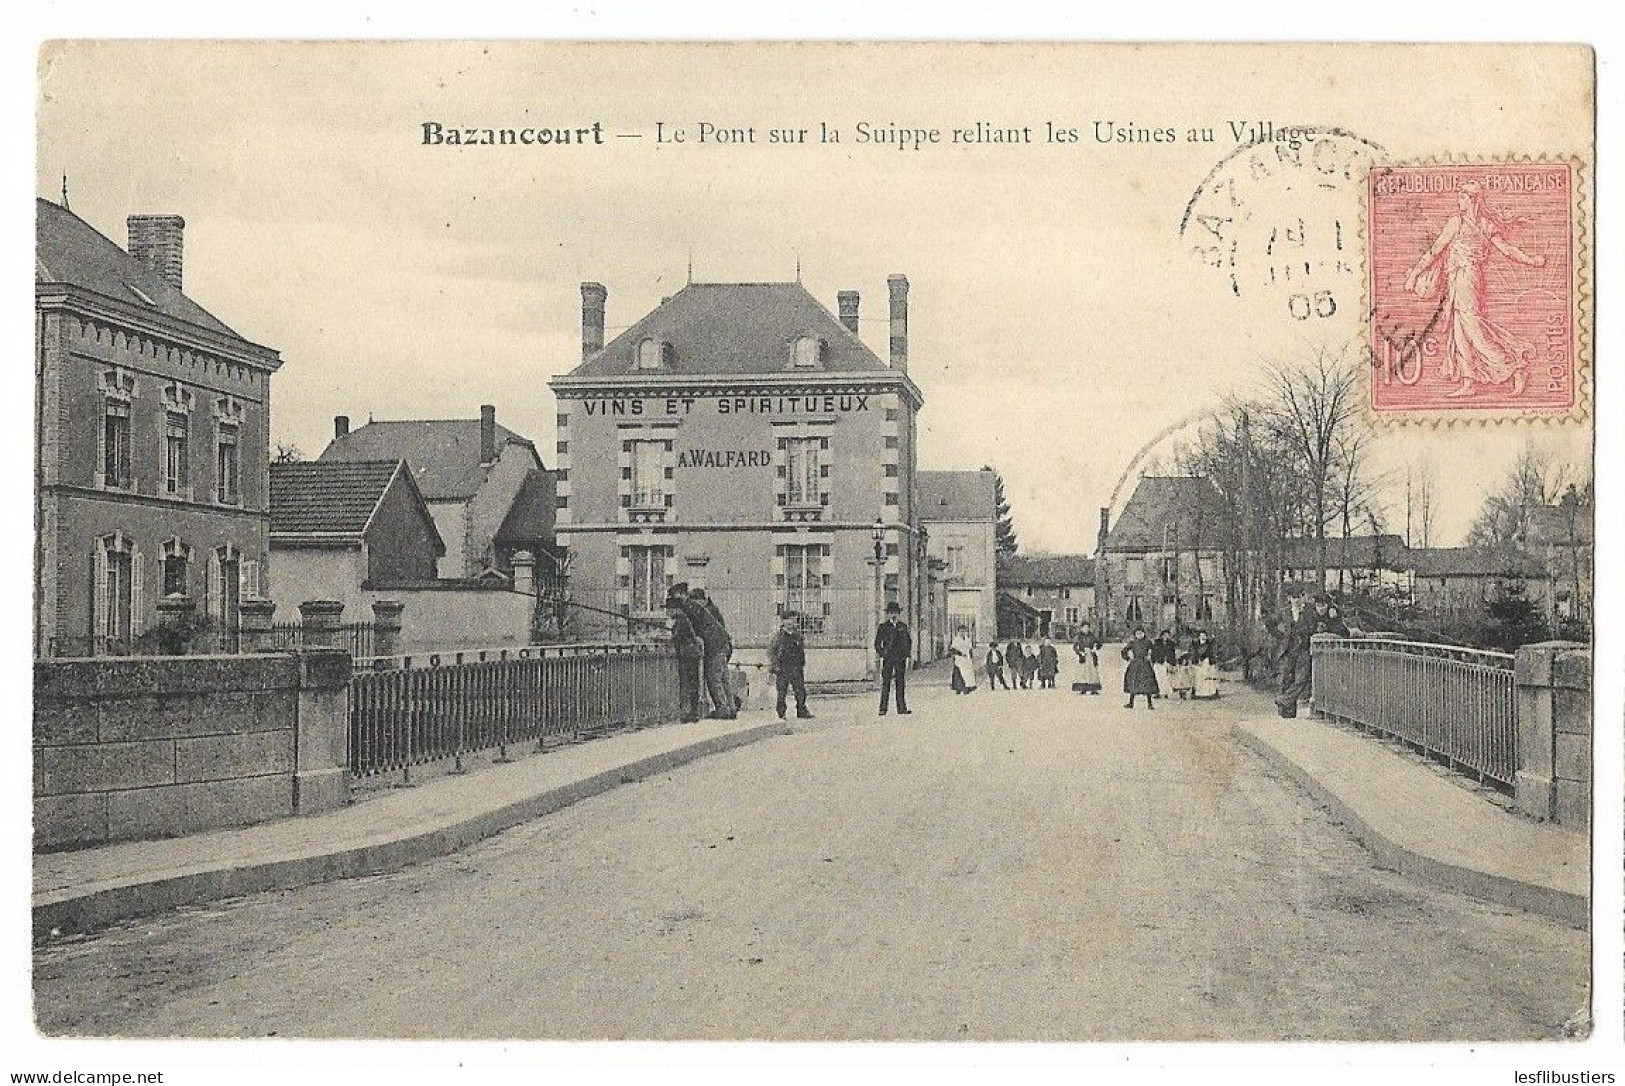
1059,318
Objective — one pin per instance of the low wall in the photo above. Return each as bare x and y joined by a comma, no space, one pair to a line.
455,616
138,747
1554,732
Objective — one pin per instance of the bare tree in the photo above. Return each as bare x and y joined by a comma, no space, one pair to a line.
1537,478
287,453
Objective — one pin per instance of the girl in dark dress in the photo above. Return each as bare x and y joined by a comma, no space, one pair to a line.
1139,678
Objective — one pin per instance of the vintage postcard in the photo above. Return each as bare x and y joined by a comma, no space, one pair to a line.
948,542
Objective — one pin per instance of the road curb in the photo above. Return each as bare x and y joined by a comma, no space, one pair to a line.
1569,908
86,910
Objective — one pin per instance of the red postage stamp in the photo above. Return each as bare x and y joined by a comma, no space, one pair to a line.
1473,273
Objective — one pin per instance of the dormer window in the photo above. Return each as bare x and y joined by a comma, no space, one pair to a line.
807,353
652,354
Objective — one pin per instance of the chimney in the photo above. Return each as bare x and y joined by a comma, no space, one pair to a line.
898,286
1105,527
488,434
593,297
341,425
155,240
848,300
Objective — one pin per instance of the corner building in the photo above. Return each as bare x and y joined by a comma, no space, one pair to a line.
742,438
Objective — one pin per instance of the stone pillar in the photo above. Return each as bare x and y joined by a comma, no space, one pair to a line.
321,621
524,573
321,777
254,621
386,627
1536,673
175,623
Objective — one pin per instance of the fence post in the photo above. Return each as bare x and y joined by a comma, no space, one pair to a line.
386,627
321,778
255,619
175,616
1536,784
322,624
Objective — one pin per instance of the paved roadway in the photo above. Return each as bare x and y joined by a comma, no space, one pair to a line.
1033,864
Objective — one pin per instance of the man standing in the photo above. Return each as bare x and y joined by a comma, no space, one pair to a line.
1298,625
893,644
787,660
719,648
690,654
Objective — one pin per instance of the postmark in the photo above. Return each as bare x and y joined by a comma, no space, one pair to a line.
1278,222
1474,289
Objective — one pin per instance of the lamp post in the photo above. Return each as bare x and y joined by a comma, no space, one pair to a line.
878,537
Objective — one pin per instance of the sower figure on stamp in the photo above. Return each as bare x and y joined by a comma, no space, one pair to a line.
690,657
718,648
893,644
787,660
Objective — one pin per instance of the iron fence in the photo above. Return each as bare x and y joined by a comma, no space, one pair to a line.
1453,703
408,715
359,637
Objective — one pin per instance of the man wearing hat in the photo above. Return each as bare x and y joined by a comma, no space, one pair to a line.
719,647
690,652
1299,625
894,645
787,660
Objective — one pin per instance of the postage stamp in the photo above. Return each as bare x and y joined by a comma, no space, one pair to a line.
1473,273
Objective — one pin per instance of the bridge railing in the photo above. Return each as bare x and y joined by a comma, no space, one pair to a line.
406,716
1454,703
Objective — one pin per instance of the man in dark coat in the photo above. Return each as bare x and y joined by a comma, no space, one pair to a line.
787,660
894,644
719,648
1298,623
690,655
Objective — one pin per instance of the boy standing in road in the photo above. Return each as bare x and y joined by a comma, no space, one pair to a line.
787,660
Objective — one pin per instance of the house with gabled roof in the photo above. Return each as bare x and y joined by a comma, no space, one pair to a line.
743,438
959,518
1057,589
153,426
485,485
1161,563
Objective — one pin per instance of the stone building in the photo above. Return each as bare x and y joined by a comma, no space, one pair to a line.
1059,590
959,520
1457,582
152,434
742,438
485,485
1162,563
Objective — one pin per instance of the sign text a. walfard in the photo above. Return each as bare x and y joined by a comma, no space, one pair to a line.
811,404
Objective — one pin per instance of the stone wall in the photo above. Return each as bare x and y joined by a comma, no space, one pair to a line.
141,747
1554,732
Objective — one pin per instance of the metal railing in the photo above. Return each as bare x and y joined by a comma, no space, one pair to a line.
1453,703
409,715
359,637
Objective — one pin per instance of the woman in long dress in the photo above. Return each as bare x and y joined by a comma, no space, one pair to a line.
1139,677
1162,661
963,651
1204,667
1088,671
1183,673
1477,349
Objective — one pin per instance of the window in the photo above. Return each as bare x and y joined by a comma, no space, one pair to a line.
1170,569
227,465
802,475
1134,571
808,353
1133,612
804,584
648,474
648,580
177,462
116,444
1066,593
1207,568
651,354
117,606
173,562
1072,616
956,560
1204,607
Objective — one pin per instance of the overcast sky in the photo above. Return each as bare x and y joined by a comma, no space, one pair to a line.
1058,320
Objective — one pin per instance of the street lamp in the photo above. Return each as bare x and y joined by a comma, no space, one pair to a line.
878,537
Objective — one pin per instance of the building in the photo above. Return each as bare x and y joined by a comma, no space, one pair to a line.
152,428
1456,582
1561,537
959,521
1057,589
341,528
1358,563
1162,563
742,438
484,484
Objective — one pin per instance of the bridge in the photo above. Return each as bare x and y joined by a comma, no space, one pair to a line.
1030,864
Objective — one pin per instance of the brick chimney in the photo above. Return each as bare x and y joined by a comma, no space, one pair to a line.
848,300
1105,527
341,425
897,285
593,297
155,240
488,434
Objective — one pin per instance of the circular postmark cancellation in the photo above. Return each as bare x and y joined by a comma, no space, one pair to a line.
1278,219
1474,290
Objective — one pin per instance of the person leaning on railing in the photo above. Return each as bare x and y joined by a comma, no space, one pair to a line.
690,654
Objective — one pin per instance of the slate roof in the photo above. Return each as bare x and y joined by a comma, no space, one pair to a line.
313,497
729,328
444,454
69,250
530,518
955,495
1363,552
1168,510
1047,570
1474,562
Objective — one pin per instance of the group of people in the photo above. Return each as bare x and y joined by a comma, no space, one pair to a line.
700,637
1185,665
1027,662
1295,627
